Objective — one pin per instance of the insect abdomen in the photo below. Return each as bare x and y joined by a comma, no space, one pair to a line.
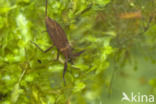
58,36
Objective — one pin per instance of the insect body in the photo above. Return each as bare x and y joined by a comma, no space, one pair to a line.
59,39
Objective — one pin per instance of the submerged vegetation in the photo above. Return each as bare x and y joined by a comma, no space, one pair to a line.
118,36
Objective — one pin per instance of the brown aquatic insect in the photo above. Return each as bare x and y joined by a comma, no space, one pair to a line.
59,40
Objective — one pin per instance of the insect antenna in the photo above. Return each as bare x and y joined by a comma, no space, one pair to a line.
46,7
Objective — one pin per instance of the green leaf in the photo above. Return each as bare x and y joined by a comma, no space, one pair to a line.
79,86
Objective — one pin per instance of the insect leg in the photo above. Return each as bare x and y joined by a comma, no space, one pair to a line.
58,54
44,51
79,53
65,69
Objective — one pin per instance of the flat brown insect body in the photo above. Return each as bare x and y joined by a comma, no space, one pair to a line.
59,40
58,37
